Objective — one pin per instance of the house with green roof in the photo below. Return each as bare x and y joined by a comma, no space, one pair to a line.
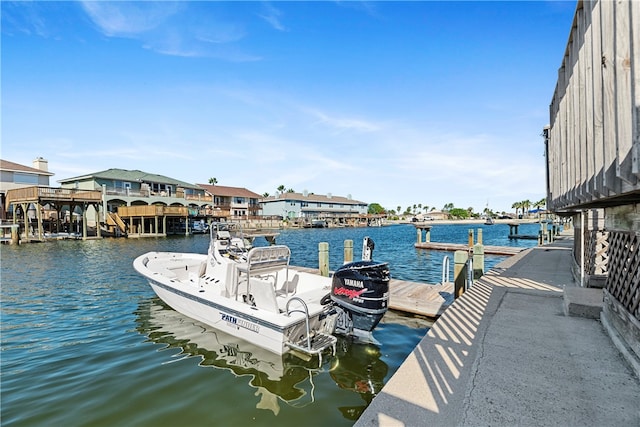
123,187
138,202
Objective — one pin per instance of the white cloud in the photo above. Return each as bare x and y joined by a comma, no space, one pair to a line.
129,18
273,17
170,28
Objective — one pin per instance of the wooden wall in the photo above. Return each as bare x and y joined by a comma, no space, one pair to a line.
593,141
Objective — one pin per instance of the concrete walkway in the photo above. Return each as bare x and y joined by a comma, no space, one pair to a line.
506,354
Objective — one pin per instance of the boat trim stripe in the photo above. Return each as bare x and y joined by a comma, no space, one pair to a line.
221,308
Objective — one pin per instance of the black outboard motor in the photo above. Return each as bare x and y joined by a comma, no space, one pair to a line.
360,292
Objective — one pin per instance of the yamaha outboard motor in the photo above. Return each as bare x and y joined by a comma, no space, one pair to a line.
360,292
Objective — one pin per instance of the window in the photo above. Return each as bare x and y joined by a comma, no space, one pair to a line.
24,178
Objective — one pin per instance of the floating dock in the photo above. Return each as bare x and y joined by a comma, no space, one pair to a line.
426,243
415,298
452,247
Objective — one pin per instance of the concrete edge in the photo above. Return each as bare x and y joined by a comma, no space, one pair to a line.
620,344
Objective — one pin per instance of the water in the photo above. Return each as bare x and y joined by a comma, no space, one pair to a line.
86,342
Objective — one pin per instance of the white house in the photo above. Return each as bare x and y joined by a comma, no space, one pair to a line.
312,206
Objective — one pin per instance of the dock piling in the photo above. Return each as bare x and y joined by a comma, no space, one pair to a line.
323,258
348,251
478,260
459,272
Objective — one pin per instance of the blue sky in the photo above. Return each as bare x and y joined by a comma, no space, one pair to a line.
396,103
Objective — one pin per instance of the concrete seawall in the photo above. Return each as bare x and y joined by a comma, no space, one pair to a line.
506,354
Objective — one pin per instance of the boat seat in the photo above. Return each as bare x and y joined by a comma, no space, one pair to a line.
264,295
289,287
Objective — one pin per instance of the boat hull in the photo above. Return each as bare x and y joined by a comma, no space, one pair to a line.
190,297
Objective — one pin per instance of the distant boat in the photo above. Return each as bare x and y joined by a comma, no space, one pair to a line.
489,221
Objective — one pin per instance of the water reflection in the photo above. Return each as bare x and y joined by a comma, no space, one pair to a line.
356,367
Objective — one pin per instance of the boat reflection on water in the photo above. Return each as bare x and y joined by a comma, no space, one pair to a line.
357,367
277,378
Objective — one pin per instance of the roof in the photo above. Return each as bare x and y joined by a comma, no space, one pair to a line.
310,197
131,175
221,190
6,165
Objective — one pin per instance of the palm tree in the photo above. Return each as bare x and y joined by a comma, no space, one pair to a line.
265,195
281,189
516,206
213,181
526,204
399,208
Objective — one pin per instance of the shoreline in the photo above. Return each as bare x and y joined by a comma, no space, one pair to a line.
467,221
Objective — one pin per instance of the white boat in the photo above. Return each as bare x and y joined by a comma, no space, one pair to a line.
257,296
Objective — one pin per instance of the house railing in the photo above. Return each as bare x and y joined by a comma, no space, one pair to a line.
152,210
50,194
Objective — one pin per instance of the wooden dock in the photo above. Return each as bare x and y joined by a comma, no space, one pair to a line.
451,247
414,298
420,298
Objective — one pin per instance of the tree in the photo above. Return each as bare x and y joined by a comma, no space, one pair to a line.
213,181
291,190
448,207
459,213
526,204
376,209
281,189
265,195
399,209
516,206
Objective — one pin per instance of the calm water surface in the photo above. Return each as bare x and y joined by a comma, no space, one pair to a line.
86,342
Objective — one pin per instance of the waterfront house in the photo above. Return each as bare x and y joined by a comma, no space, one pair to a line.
135,187
592,150
14,176
232,202
308,207
138,202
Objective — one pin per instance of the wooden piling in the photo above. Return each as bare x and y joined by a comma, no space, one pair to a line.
323,258
478,261
15,234
348,251
459,272
470,237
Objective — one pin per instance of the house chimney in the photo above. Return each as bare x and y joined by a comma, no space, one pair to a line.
328,195
41,163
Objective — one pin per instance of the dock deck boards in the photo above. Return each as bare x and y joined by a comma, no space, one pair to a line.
493,250
415,298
